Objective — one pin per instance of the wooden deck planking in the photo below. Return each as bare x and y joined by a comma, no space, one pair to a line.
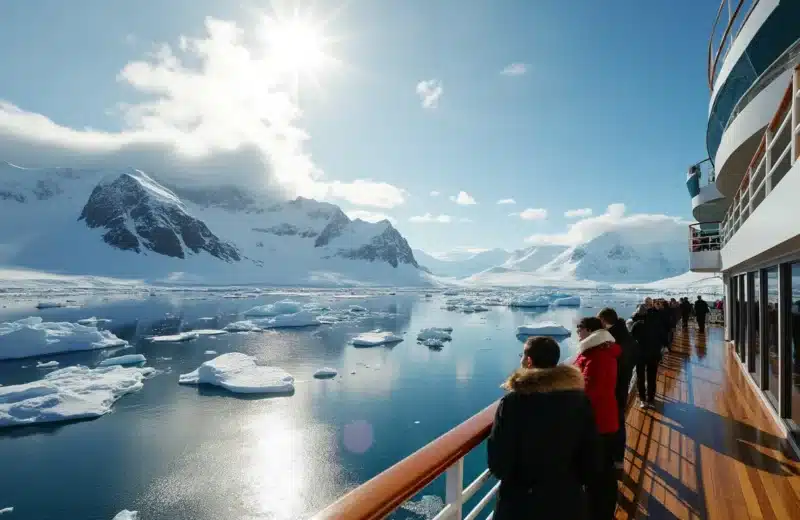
709,450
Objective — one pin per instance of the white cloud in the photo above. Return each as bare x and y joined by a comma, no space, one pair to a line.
211,110
506,201
463,198
464,220
515,69
429,91
532,214
646,228
578,213
458,253
427,218
435,193
370,216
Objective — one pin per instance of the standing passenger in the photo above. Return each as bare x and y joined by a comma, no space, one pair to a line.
626,362
701,311
646,331
542,456
597,359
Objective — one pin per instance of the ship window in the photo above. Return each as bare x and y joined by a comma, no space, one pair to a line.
771,333
755,340
744,318
794,342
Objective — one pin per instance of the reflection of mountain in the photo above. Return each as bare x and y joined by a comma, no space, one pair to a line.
127,224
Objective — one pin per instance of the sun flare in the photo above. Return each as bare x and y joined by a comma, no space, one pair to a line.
297,46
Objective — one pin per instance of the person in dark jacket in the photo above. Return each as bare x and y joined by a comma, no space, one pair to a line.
646,330
626,363
543,456
686,311
700,312
664,320
597,358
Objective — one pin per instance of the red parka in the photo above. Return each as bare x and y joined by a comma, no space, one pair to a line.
597,360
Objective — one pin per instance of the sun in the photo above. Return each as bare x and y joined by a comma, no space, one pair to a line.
297,46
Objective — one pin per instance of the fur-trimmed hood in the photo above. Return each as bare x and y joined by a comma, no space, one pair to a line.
541,380
595,339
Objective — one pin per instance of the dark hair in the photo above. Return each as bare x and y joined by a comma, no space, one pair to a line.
590,323
608,315
543,351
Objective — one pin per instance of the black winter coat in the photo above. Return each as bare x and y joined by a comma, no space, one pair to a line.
544,446
700,308
647,330
630,349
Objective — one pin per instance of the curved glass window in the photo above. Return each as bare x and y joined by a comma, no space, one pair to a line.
771,40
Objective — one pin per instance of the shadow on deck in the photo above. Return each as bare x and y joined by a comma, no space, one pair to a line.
709,450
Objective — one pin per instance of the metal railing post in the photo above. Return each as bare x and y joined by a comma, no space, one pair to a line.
454,484
768,138
795,116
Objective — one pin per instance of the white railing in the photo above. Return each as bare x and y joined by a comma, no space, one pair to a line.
775,156
738,13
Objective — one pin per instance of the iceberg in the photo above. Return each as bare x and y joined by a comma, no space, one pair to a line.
529,300
373,339
129,359
325,373
242,326
126,515
543,328
568,301
275,309
49,364
210,352
32,336
239,373
175,338
433,343
93,321
75,392
297,319
209,332
440,333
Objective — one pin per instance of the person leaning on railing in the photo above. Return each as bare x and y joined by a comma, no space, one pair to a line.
544,446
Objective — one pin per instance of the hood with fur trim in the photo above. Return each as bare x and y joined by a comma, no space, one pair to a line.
595,339
541,380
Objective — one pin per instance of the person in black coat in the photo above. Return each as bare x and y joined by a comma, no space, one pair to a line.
646,329
544,446
686,311
700,312
625,365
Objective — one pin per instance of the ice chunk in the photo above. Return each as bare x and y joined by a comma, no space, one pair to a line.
440,333
175,338
48,364
126,515
567,301
209,332
276,309
31,337
529,300
242,326
427,507
375,338
434,343
210,352
49,305
93,321
297,319
325,373
70,393
543,328
129,359
6,510
239,373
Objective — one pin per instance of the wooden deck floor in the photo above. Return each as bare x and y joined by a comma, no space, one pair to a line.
709,450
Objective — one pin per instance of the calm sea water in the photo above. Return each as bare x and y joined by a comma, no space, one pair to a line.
181,452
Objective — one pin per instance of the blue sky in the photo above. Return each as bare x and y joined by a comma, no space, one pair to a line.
607,105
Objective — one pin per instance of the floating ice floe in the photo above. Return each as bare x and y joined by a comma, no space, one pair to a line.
375,338
93,321
6,510
427,507
325,373
529,300
75,392
275,309
50,305
239,373
129,359
567,301
297,319
440,333
210,353
242,326
175,338
543,328
126,515
209,332
31,337
48,364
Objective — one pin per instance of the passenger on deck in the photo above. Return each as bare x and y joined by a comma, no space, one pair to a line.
597,359
686,311
664,321
646,330
701,311
543,456
626,363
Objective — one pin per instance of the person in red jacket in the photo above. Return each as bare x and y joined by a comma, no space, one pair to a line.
597,360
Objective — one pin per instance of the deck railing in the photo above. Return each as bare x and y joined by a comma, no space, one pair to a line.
383,494
704,236
776,154
718,50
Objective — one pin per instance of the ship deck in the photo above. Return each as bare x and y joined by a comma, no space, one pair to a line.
710,449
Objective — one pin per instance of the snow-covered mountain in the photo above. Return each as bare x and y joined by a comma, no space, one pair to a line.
460,268
126,224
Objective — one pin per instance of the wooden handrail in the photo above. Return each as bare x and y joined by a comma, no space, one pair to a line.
379,496
712,70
